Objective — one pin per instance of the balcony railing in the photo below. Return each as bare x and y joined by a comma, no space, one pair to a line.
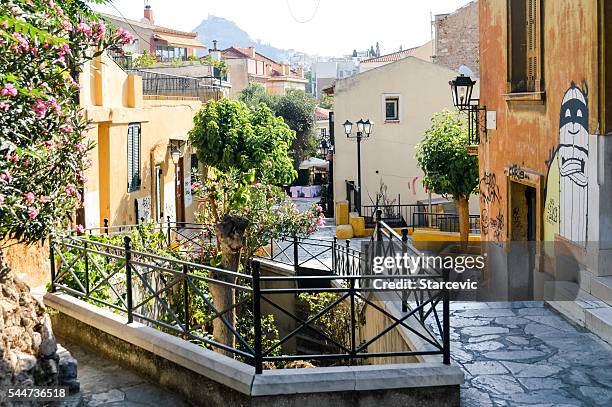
204,87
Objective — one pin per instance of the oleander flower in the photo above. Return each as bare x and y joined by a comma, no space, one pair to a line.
84,28
40,108
32,213
8,90
29,198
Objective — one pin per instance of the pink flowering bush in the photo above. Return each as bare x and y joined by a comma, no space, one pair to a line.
267,210
42,148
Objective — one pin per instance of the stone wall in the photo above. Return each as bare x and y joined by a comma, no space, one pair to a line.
457,38
29,354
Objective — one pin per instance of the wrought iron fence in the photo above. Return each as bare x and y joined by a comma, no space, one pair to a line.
445,222
397,215
314,254
174,295
423,304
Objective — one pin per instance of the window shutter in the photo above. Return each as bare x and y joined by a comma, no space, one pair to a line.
130,158
533,45
136,154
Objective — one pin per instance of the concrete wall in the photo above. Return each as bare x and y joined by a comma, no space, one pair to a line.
239,73
389,153
206,378
457,38
112,100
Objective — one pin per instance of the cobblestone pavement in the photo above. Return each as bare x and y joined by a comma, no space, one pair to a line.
106,384
516,354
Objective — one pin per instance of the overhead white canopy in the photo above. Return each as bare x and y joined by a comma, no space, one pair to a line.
314,162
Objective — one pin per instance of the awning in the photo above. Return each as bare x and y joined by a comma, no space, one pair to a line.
180,41
314,162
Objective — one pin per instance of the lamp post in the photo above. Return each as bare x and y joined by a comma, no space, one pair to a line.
461,90
364,129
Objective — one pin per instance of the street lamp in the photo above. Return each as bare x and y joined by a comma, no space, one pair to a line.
461,89
324,146
175,148
364,129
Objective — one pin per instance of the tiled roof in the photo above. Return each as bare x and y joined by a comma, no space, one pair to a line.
146,24
321,114
395,56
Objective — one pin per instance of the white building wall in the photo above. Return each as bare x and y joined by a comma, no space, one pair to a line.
389,154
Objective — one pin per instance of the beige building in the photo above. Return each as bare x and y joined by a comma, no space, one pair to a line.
400,98
133,175
246,65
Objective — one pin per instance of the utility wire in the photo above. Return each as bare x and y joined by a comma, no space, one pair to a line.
128,23
314,14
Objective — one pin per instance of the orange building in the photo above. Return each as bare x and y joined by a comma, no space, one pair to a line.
546,159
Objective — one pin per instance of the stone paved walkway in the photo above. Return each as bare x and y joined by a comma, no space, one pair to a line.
516,354
106,384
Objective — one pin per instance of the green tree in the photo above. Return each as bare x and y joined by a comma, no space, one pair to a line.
327,101
448,167
246,145
296,108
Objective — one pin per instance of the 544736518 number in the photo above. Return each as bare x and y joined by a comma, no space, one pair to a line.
53,393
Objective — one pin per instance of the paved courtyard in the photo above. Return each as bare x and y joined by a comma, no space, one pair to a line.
516,354
106,384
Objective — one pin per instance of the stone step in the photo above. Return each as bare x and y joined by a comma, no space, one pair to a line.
601,287
587,311
573,306
599,321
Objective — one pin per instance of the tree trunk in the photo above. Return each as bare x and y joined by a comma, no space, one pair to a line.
230,236
464,220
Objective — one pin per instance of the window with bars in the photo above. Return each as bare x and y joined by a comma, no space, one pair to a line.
133,157
524,45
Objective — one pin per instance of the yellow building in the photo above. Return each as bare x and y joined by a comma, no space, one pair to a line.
133,174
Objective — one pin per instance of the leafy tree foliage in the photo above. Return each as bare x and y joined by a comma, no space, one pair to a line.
229,135
42,45
297,109
327,101
448,168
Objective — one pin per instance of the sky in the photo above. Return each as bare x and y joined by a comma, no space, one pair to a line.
322,27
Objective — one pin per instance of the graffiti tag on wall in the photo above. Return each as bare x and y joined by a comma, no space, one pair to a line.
489,190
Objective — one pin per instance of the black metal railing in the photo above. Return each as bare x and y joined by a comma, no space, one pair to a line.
156,83
397,215
424,303
315,254
166,292
155,290
444,222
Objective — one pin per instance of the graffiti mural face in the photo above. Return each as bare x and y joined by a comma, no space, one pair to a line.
573,155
